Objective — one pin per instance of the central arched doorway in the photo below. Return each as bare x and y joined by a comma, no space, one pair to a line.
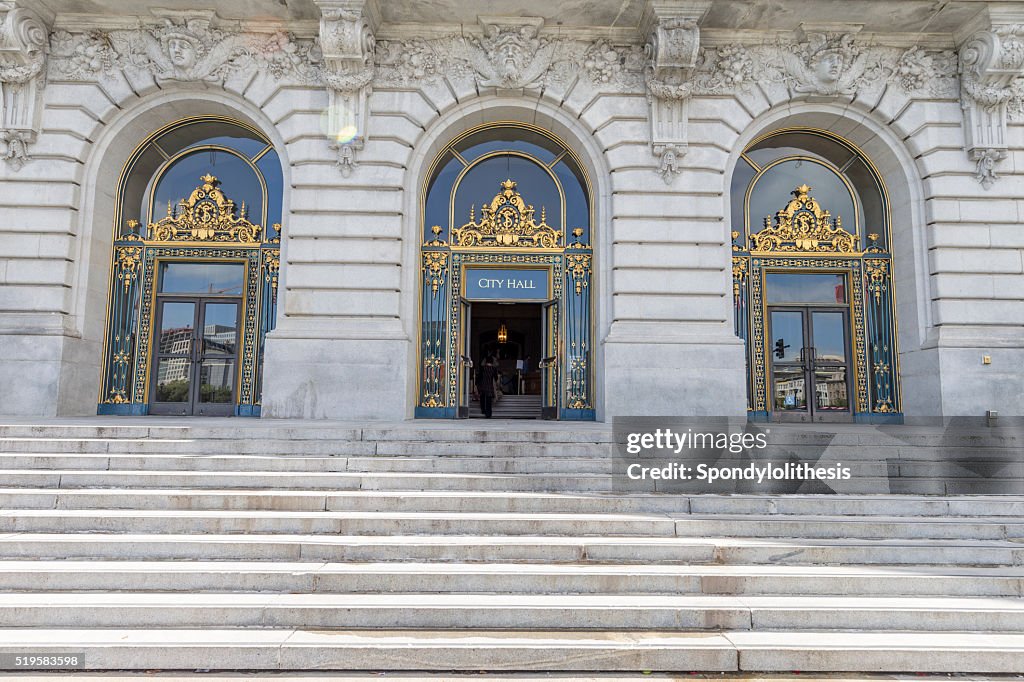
506,266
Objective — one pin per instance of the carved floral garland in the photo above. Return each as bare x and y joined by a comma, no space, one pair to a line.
189,50
193,50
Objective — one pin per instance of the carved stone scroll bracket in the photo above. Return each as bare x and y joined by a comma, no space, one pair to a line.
347,43
991,61
673,49
23,51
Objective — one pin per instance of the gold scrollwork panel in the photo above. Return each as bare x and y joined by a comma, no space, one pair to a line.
507,221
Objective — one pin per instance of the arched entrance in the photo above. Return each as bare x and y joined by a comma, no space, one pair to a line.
813,280
506,263
194,271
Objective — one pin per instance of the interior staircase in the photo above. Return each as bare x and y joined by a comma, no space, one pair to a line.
246,545
510,407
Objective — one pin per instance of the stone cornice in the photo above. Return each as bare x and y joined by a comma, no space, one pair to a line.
80,23
713,37
617,35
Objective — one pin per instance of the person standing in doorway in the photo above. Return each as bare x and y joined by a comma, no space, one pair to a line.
485,384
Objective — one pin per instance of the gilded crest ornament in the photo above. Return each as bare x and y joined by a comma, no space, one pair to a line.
803,226
507,221
206,216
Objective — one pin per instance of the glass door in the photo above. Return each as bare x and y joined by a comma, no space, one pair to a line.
195,363
549,363
174,355
809,364
217,358
829,359
465,361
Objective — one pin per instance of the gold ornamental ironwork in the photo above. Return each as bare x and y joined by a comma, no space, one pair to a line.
206,216
507,221
803,227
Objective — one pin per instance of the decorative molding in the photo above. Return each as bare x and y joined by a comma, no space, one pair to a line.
991,67
347,44
23,57
515,53
509,55
673,47
507,221
803,227
187,48
206,216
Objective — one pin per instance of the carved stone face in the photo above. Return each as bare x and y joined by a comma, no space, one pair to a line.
181,52
510,57
829,67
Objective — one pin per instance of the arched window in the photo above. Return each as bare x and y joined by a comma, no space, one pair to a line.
546,172
507,218
195,268
168,165
840,176
813,280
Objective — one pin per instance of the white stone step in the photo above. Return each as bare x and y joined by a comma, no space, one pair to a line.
388,480
516,611
516,549
255,446
353,500
322,463
867,527
333,523
288,480
291,649
354,577
864,506
221,429
908,437
727,651
909,652
499,523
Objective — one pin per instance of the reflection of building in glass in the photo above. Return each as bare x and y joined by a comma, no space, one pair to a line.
830,388
179,342
218,339
789,393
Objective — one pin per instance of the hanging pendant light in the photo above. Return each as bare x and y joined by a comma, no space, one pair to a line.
502,333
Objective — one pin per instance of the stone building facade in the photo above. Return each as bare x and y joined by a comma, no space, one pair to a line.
715,204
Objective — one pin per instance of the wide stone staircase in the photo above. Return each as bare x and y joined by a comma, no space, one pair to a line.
246,545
